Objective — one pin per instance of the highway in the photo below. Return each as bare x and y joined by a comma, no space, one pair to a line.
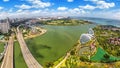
28,57
8,57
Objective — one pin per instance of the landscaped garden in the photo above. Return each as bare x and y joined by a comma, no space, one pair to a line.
108,39
102,56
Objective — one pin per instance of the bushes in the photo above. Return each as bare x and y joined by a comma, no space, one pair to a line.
83,58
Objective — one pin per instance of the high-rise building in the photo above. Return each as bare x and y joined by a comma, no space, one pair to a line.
4,26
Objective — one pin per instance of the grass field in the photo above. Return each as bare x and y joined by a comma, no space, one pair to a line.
99,56
1,47
19,61
56,42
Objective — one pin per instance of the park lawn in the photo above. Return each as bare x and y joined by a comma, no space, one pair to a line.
18,57
56,42
99,56
1,47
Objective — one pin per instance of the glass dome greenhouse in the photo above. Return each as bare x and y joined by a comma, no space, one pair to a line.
85,38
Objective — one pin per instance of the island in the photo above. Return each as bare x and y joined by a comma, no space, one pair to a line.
64,21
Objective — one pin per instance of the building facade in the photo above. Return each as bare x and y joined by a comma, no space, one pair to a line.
4,26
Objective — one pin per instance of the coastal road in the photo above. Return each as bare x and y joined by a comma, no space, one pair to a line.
28,57
8,57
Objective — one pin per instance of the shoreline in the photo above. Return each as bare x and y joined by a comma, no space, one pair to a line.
43,31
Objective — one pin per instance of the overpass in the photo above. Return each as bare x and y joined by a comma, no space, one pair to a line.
28,57
8,56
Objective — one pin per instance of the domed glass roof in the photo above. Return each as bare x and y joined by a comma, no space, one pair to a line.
85,38
91,31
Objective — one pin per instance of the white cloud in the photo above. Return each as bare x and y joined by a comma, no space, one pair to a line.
69,12
23,6
1,8
89,7
100,4
5,0
70,0
20,10
37,12
34,4
62,8
113,14
92,0
76,11
39,3
104,5
45,12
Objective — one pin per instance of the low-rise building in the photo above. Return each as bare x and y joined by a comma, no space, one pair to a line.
115,41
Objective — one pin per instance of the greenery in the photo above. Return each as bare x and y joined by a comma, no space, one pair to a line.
72,52
1,47
84,58
49,64
65,22
103,37
71,62
106,56
102,56
18,57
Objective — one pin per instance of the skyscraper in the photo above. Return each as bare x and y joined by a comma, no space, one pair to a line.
4,26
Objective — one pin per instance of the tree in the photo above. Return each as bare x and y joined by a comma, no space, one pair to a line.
49,64
106,56
72,52
83,58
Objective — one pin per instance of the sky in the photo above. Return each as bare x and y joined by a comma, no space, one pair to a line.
81,8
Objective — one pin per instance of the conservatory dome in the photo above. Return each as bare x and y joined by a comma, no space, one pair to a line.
91,31
85,38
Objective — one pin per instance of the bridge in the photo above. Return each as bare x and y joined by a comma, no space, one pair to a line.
8,56
28,57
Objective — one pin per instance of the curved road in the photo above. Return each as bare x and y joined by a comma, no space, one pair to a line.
8,57
57,66
28,57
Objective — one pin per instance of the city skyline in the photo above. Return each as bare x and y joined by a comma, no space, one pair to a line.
83,8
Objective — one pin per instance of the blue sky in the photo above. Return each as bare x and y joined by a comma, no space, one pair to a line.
86,8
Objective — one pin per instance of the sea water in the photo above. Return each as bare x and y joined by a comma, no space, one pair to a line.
102,21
